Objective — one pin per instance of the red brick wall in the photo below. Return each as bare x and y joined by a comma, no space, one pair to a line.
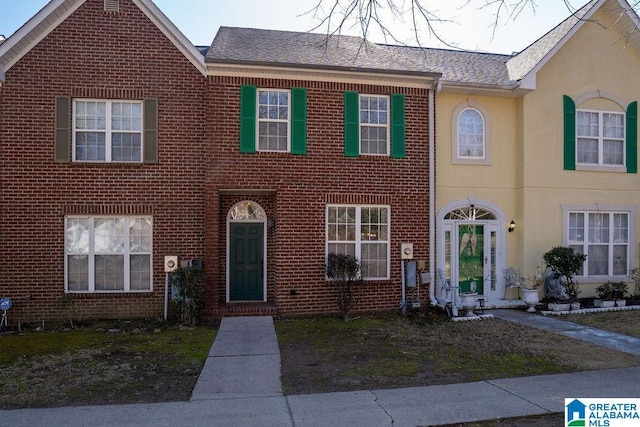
103,55
304,185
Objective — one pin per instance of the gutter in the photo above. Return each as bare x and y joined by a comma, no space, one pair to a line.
432,189
323,67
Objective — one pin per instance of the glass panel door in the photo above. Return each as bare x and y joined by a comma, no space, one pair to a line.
471,257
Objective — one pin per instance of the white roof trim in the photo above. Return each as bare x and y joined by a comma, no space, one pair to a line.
8,58
529,80
173,33
29,28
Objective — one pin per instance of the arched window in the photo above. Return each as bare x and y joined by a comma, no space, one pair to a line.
247,211
471,134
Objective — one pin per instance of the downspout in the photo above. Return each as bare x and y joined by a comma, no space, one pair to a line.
432,187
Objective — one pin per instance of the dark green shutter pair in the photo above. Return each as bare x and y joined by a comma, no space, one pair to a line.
352,125
248,119
631,142
64,129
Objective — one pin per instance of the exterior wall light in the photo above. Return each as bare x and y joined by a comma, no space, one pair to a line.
512,226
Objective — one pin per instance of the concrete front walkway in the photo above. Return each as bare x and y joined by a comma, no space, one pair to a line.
240,386
595,336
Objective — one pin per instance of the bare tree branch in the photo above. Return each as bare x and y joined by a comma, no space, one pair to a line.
377,17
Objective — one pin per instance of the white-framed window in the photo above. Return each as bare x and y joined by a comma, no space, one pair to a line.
107,130
273,120
604,235
362,232
108,253
470,134
374,125
600,138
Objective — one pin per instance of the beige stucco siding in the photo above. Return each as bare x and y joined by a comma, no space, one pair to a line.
595,59
526,176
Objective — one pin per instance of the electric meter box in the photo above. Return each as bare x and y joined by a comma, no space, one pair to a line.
406,251
170,263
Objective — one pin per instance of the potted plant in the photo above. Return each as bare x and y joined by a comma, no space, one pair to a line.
531,290
620,290
604,295
565,263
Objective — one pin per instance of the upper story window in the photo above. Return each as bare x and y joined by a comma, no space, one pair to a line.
600,138
107,131
470,134
374,125
604,138
273,120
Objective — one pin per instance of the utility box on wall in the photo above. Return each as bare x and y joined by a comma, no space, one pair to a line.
406,251
170,263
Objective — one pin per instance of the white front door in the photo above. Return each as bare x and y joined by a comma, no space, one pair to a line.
471,251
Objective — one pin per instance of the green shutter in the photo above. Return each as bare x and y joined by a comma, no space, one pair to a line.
63,130
298,120
150,111
248,108
632,137
569,133
351,124
397,126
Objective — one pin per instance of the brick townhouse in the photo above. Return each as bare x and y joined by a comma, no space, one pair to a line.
122,143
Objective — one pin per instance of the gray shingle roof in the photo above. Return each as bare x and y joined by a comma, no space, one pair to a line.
255,46
461,66
305,49
248,45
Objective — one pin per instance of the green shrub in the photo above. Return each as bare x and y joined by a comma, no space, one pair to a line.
189,284
345,271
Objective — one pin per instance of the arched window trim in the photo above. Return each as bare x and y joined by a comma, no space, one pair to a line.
246,211
455,119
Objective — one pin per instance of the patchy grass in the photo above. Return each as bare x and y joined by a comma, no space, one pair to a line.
119,363
623,322
136,362
325,354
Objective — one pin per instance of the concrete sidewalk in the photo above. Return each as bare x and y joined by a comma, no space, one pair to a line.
240,386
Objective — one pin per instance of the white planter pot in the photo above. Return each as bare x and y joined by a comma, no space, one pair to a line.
621,302
531,297
603,303
469,302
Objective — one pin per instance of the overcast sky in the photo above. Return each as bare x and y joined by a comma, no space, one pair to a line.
470,27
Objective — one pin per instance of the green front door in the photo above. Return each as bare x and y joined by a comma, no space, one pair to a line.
246,262
471,257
